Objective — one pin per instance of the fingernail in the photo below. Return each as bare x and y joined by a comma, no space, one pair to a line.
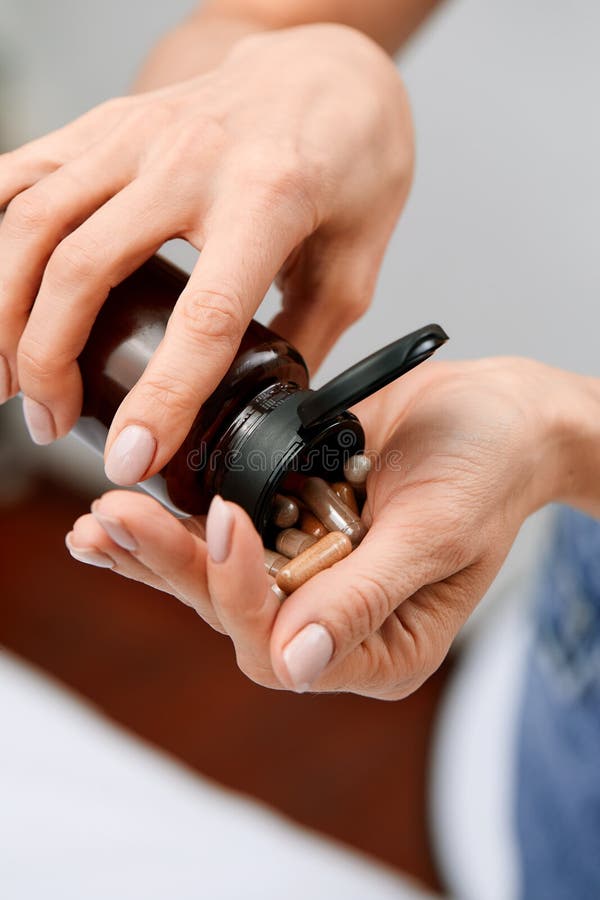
91,556
39,421
130,456
4,380
219,526
308,655
115,530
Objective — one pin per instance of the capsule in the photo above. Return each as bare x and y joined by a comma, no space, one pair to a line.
309,523
285,511
273,562
290,542
332,512
329,550
345,493
357,468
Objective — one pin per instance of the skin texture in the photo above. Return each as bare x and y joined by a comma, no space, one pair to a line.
466,452
89,203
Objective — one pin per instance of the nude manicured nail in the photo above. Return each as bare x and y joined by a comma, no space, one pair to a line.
90,555
219,527
131,455
4,380
308,655
39,421
115,530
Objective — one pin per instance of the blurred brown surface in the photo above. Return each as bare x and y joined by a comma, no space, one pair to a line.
347,766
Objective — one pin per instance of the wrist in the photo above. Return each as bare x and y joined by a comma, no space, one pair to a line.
571,415
195,47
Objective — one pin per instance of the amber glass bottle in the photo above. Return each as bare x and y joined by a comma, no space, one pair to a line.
265,372
262,424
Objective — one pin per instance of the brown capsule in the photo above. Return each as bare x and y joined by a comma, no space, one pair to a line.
346,494
329,550
357,468
285,511
309,523
332,512
273,562
290,542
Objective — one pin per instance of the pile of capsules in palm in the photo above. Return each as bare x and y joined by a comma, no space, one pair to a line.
316,526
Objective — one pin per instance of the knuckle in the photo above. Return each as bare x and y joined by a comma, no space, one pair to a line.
108,115
198,139
200,130
167,392
406,659
378,665
286,176
29,211
369,604
279,176
356,302
214,314
35,363
135,120
74,260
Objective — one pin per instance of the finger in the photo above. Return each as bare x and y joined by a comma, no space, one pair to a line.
89,543
103,251
238,263
322,623
21,168
240,588
329,286
161,543
411,644
37,220
18,171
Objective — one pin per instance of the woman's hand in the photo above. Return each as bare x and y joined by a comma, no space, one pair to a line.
463,452
292,158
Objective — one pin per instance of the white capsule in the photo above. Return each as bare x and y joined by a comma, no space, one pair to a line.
356,469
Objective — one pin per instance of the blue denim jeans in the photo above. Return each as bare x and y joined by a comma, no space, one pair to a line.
558,778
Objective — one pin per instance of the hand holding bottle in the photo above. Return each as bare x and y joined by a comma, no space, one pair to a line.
464,453
292,158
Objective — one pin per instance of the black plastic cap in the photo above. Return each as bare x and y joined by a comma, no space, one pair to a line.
277,444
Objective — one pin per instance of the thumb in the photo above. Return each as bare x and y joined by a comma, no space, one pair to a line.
323,622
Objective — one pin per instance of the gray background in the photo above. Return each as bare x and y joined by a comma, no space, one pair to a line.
500,239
